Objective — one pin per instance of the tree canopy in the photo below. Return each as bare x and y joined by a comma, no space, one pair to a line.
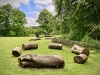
12,21
45,19
80,16
74,18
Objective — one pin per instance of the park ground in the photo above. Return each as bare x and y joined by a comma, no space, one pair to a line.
9,63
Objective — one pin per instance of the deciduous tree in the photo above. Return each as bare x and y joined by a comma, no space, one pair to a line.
44,20
11,19
81,16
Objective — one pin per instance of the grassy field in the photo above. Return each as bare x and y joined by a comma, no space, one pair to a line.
9,63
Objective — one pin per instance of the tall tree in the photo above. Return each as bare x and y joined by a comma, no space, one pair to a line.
44,20
18,20
5,12
79,16
9,18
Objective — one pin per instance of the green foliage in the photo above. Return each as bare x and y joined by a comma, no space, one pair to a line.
64,29
34,30
54,25
11,19
88,39
95,32
11,33
19,30
79,15
5,12
44,19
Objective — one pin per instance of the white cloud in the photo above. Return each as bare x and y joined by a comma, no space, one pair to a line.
50,8
14,3
42,2
34,14
39,7
31,22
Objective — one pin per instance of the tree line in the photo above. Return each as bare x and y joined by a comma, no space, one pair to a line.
74,20
12,22
79,18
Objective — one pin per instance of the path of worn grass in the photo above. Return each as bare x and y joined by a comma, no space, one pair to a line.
9,64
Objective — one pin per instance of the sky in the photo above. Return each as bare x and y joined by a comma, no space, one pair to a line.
31,8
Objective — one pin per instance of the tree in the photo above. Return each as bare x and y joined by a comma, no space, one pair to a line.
18,20
44,20
10,19
79,15
5,12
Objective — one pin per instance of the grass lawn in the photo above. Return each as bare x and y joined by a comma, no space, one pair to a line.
9,63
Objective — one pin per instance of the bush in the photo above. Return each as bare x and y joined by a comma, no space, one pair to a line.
11,33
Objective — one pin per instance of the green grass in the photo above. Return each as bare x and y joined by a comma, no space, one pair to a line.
9,63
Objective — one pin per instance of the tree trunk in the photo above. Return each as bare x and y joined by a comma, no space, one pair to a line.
38,61
80,58
34,39
47,35
79,50
16,52
48,38
29,46
55,46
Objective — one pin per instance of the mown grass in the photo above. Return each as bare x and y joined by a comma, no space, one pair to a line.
9,63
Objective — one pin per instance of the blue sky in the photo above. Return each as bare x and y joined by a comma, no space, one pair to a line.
28,8
31,8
